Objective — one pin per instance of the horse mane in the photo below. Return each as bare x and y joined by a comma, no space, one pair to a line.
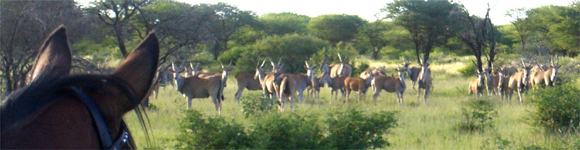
44,91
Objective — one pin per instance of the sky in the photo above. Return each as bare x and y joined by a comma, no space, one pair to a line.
367,9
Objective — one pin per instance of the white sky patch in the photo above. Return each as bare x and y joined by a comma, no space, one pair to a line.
366,9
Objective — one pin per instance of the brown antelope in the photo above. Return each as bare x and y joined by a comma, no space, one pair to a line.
476,85
508,71
314,88
203,87
539,67
293,84
492,82
381,70
519,82
335,84
360,84
390,84
425,81
412,72
269,81
341,69
548,77
246,81
502,85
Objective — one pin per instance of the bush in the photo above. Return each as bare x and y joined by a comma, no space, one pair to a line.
198,132
353,129
556,108
256,105
469,70
477,115
287,131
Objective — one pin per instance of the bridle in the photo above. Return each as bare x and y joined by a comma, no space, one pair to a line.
106,142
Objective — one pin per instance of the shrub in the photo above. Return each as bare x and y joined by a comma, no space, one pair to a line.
256,105
556,108
469,70
353,129
198,132
287,130
477,115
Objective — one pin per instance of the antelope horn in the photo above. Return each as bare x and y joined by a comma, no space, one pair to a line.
271,62
280,61
230,64
191,66
222,64
552,60
307,66
181,66
172,65
523,63
197,67
339,57
263,63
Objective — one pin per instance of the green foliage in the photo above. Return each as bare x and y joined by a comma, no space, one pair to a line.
293,48
335,27
256,105
287,130
358,68
477,115
469,70
556,108
330,54
199,132
284,23
497,143
557,26
354,129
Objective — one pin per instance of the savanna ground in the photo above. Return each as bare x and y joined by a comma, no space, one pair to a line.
421,125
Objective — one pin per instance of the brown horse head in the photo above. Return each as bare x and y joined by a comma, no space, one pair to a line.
57,110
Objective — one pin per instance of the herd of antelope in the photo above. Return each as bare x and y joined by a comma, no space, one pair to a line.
285,86
506,80
338,77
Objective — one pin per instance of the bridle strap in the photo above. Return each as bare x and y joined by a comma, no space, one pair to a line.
106,141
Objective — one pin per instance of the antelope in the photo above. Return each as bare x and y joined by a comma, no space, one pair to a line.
203,87
246,81
342,69
295,83
476,85
425,81
390,84
548,77
519,82
335,84
412,72
360,84
502,85
492,81
381,70
314,88
540,67
508,71
269,81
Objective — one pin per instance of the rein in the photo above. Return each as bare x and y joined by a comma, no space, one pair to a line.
99,122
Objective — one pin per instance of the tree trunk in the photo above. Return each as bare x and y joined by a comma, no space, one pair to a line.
120,39
216,50
376,53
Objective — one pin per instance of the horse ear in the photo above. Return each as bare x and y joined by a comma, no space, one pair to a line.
54,58
145,57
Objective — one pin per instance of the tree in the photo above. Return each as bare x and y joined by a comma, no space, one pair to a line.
374,35
335,28
24,27
521,23
557,26
117,14
478,34
428,22
225,21
284,23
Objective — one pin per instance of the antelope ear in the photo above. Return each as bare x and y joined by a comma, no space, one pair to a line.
54,57
145,57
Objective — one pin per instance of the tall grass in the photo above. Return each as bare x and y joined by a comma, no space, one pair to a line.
422,125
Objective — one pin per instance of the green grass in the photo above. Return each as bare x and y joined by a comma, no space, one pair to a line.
421,125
